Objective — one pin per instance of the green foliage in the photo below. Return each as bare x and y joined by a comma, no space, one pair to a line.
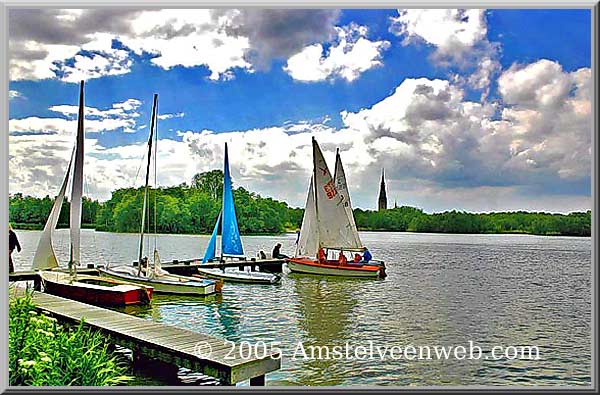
28,211
194,209
43,353
410,219
210,182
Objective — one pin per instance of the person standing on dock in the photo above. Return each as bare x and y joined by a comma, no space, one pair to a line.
277,252
13,242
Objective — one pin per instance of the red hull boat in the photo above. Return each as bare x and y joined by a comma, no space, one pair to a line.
333,268
95,290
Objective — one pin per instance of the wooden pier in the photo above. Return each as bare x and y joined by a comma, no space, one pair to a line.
189,266
184,268
166,343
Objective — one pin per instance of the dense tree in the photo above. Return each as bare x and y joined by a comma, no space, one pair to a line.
194,209
210,182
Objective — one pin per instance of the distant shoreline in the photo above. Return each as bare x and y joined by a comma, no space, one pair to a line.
191,210
17,226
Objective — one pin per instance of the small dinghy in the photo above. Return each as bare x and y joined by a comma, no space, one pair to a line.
231,242
95,290
328,224
237,276
87,289
153,275
163,282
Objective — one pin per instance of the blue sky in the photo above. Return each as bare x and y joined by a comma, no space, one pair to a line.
519,68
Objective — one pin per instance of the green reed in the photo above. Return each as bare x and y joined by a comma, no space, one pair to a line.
44,353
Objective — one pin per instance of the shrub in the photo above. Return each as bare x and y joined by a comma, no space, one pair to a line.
44,353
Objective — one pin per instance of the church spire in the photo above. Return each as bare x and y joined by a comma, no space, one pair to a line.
382,202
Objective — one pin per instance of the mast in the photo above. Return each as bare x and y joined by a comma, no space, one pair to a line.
76,191
146,186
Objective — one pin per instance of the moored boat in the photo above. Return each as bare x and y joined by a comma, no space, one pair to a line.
88,289
164,284
332,268
236,276
328,224
94,289
231,242
153,275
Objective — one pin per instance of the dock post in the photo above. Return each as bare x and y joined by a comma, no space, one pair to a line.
37,283
257,381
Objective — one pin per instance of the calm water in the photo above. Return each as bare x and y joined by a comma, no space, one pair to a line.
506,290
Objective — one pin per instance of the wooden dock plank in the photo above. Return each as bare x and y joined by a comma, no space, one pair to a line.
157,340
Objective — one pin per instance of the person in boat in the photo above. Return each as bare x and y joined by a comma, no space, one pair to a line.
144,264
357,258
13,242
321,255
367,255
342,260
262,255
277,252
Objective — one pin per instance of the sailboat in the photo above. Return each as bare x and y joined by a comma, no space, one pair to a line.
231,241
348,234
84,288
151,273
328,225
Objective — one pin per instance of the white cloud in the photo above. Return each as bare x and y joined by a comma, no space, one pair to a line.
48,43
460,40
187,38
75,45
121,116
169,116
539,84
347,58
443,28
12,94
434,145
38,69
551,116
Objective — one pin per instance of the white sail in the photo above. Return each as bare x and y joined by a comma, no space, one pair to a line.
44,257
349,234
77,187
309,232
331,214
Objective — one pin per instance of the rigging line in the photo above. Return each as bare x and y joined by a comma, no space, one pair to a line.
155,176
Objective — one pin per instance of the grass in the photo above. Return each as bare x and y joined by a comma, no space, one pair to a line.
44,353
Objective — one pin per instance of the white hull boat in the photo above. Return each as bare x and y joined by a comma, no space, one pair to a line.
238,276
163,283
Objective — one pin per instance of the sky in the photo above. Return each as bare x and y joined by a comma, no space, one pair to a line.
476,110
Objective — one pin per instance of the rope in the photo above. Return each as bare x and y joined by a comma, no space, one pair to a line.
155,177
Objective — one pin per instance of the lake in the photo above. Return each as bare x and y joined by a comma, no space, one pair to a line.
441,290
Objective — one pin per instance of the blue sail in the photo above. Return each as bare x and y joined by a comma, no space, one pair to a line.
211,248
231,242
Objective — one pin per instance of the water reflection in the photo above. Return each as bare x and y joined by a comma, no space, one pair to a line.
440,290
325,318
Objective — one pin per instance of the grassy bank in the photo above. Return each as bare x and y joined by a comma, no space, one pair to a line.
44,353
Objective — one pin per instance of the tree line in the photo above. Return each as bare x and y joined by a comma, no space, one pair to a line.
193,208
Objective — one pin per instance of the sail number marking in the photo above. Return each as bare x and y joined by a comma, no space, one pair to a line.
330,190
